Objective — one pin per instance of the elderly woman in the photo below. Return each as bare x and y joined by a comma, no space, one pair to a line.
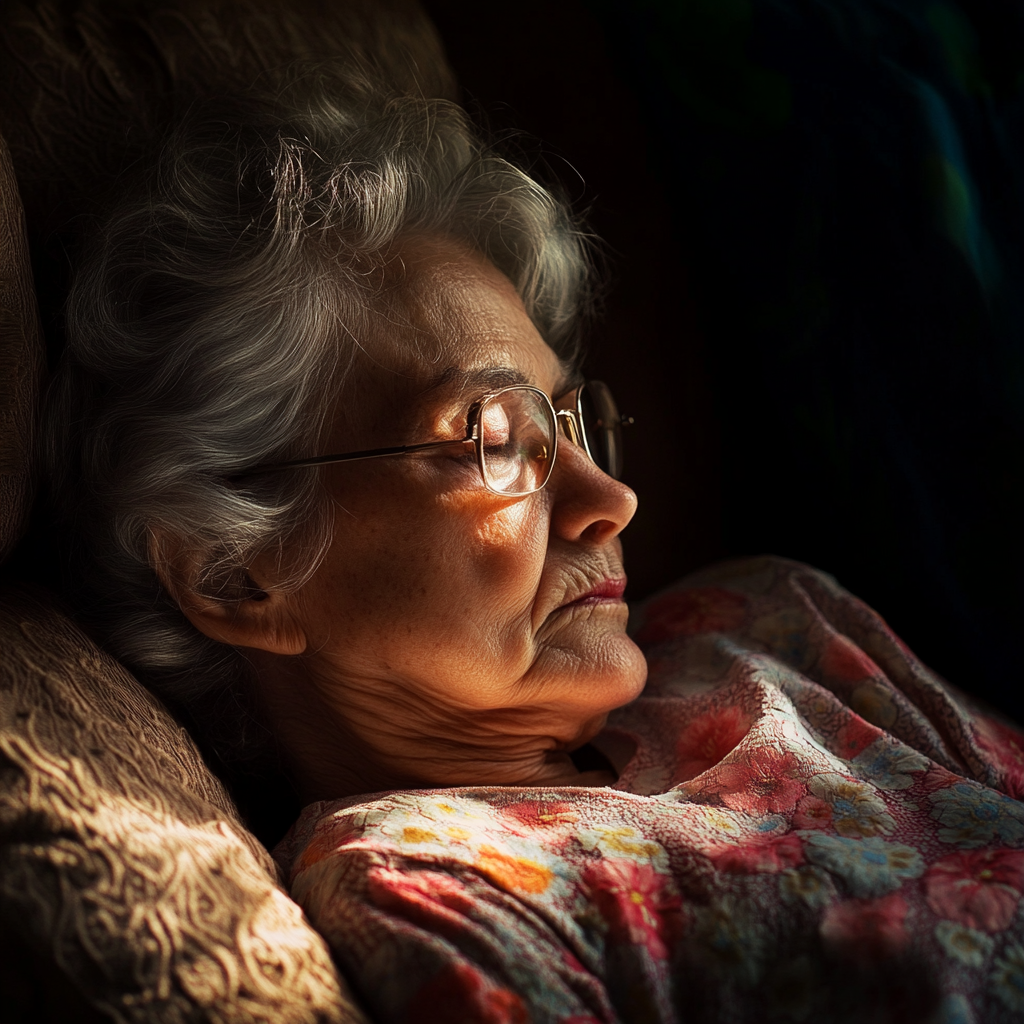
335,487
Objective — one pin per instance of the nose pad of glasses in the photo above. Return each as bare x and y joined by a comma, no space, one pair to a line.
570,426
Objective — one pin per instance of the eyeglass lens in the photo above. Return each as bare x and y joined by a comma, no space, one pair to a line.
517,431
602,425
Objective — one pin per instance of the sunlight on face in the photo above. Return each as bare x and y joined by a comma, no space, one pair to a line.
449,625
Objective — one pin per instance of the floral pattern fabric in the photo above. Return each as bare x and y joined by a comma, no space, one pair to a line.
808,825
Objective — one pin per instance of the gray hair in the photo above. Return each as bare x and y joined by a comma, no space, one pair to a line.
211,317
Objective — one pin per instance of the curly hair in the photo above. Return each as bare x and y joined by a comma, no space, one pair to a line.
213,316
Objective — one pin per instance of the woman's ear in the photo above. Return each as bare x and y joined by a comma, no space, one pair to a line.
229,607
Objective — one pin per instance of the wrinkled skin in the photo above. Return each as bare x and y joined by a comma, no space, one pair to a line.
438,643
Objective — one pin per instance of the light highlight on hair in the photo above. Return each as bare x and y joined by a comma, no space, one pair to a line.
211,321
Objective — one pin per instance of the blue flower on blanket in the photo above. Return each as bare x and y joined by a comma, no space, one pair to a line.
1008,977
855,809
870,867
974,815
887,764
732,938
954,1009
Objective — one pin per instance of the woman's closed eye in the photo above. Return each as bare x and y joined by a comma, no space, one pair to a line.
495,430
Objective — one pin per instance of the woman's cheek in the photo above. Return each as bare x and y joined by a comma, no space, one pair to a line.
498,552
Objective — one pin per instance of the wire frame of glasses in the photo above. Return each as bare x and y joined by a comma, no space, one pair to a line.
515,432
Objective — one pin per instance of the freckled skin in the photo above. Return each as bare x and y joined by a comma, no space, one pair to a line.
431,647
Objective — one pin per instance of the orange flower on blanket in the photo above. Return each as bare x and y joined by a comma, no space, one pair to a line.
708,738
513,873
688,612
1006,746
763,782
867,930
639,905
772,855
978,888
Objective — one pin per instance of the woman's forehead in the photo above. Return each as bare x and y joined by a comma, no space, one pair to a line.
452,328
456,320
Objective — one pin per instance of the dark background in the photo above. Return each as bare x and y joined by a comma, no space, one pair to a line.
813,212
813,216
552,90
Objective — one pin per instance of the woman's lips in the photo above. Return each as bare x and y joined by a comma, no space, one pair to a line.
608,591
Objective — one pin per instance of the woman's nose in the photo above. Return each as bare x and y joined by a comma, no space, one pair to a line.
588,503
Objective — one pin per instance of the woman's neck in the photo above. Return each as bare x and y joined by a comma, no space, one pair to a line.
378,741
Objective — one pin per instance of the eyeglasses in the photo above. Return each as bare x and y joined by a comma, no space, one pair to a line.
514,431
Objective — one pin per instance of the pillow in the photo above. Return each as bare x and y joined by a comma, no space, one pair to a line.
123,863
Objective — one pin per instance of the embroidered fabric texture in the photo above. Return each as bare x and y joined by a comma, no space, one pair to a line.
813,827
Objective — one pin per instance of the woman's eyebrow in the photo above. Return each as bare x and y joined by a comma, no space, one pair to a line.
456,379
489,378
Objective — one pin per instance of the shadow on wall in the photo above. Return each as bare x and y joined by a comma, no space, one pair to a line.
815,214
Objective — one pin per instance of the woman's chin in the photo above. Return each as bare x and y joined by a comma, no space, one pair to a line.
601,670
633,676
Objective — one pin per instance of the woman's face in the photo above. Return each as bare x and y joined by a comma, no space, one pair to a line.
456,635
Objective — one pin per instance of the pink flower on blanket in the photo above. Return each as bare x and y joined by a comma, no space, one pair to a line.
688,612
842,661
429,899
708,738
460,992
937,778
812,812
545,814
1006,747
639,905
855,736
867,930
772,855
764,782
978,888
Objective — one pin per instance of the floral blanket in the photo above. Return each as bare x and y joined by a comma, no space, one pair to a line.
809,825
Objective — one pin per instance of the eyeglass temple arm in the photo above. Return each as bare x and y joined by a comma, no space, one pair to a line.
371,453
567,416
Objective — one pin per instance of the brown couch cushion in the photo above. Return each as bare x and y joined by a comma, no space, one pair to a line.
122,859
128,886
21,359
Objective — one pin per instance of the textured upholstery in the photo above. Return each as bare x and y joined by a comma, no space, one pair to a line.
129,888
21,357
122,861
